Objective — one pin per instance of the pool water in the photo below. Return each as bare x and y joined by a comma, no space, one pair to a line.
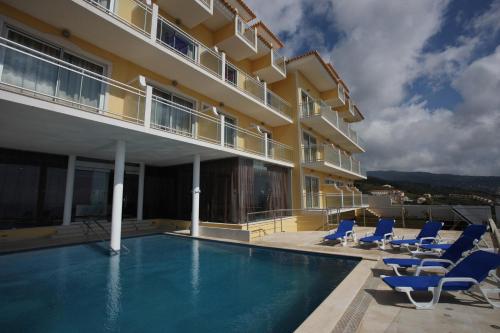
165,284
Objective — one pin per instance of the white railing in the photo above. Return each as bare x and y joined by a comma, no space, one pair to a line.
278,61
134,13
340,200
32,73
36,74
193,50
331,155
279,104
320,108
246,31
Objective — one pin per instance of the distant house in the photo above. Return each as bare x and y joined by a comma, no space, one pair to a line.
396,196
421,200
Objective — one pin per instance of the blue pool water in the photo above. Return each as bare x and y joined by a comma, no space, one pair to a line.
165,284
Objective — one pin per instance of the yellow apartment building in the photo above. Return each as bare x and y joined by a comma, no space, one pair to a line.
166,109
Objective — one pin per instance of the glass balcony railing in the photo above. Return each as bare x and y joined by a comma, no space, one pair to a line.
279,104
331,155
246,32
36,74
320,108
138,15
340,200
279,61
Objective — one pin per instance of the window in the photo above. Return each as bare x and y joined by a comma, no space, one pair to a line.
307,103
231,75
175,39
329,181
312,191
172,112
230,131
47,79
310,147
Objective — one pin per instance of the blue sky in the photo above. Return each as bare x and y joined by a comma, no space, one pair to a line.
425,73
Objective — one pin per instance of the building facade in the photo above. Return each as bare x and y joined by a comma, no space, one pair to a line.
170,109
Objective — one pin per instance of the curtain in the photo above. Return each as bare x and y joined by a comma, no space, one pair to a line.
28,72
80,88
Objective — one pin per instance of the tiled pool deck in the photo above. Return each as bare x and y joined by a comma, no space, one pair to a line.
376,308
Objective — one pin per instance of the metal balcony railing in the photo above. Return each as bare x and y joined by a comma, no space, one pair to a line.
339,200
35,74
246,31
278,61
138,15
320,108
331,155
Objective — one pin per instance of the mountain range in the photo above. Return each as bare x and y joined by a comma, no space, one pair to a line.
485,184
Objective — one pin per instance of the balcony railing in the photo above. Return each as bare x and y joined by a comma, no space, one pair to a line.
138,15
246,31
35,74
320,108
279,104
331,155
341,200
279,61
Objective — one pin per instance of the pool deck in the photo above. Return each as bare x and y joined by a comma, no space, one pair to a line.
374,307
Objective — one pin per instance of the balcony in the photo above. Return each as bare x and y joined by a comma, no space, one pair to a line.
270,68
238,39
134,31
328,159
340,201
65,107
335,97
190,12
327,122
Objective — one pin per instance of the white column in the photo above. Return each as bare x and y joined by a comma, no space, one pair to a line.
266,145
116,215
154,22
148,106
223,65
265,92
140,192
222,130
68,195
195,214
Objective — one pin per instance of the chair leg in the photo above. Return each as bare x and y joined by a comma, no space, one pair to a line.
485,291
425,305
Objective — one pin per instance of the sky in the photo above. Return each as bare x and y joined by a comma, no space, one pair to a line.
425,74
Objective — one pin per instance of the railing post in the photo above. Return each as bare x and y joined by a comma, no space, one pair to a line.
264,83
223,65
266,146
342,200
403,216
148,106
154,22
222,130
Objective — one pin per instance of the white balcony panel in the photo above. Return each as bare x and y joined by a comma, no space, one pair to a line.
135,45
329,168
190,12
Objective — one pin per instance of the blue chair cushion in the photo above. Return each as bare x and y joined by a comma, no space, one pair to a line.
422,283
410,262
404,241
335,236
371,239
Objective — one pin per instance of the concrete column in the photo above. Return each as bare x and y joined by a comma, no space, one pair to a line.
222,130
154,22
148,106
116,215
68,195
223,65
140,192
195,214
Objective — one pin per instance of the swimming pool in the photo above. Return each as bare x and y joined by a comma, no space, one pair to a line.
165,284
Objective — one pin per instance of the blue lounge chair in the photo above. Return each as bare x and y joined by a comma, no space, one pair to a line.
383,233
474,231
343,232
470,272
446,261
427,235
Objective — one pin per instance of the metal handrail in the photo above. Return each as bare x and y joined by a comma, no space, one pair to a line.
102,239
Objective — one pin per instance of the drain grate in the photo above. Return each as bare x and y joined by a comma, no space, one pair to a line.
350,320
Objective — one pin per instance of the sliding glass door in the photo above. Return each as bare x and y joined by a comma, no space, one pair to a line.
172,112
34,68
312,191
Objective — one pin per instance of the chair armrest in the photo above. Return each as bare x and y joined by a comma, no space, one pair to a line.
445,280
426,260
390,234
368,234
348,233
446,240
426,238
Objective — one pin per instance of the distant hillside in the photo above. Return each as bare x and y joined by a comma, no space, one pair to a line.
467,183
